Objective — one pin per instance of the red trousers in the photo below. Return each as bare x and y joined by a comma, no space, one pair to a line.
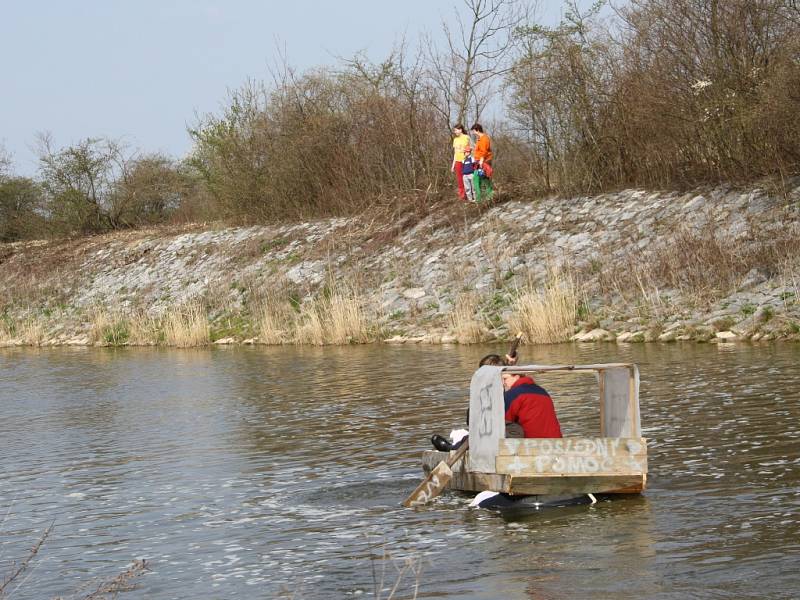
459,179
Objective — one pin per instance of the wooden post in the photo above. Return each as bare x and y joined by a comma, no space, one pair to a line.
486,418
620,402
601,380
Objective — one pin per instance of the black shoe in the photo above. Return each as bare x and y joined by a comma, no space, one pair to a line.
440,443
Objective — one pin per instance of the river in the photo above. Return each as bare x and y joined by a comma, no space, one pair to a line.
255,472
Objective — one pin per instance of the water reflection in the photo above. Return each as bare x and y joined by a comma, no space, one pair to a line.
245,472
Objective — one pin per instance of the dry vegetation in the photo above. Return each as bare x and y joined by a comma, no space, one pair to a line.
15,575
698,266
338,315
465,322
187,326
659,94
546,314
656,94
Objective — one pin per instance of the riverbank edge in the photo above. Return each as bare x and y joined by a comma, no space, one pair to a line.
452,274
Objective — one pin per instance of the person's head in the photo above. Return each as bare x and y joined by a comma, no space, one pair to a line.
458,129
509,379
493,360
467,151
477,128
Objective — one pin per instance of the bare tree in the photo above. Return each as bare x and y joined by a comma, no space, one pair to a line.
479,39
556,86
5,161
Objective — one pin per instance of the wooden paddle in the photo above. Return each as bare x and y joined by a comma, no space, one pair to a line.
436,480
512,352
441,474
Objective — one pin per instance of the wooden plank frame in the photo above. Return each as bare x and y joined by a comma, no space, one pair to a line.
468,481
572,456
616,461
618,394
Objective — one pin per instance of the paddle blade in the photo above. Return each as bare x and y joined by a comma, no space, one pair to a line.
512,352
433,485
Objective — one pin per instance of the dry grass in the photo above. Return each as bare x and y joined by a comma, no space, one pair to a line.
144,330
334,318
187,326
7,329
463,321
700,267
274,321
310,326
108,327
31,332
546,315
348,322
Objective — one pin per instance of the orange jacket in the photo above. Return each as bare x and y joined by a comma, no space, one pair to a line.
483,148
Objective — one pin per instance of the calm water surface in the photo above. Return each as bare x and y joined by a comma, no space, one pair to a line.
269,473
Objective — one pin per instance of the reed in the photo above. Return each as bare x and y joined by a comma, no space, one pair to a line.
7,329
144,330
546,315
274,321
310,325
348,323
187,326
463,323
31,332
337,317
109,328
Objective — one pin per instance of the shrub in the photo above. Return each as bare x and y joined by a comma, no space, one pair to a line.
20,209
322,143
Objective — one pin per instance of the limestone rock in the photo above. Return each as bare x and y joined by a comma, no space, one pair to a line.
668,336
414,293
727,336
595,335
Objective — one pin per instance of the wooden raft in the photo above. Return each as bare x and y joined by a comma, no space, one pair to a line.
556,467
615,462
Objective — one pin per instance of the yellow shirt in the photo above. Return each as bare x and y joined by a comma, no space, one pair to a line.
460,143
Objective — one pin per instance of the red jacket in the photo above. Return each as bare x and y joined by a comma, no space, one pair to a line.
531,406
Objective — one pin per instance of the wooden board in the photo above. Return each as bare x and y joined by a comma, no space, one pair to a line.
620,402
486,422
571,457
467,481
464,480
605,484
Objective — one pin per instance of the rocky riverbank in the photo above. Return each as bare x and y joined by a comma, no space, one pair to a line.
718,265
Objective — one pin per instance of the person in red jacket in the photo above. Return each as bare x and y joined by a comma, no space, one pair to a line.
531,406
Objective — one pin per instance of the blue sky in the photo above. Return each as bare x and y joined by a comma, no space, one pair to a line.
141,70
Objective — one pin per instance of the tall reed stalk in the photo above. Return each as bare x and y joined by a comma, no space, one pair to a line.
187,326
335,318
463,323
274,321
546,315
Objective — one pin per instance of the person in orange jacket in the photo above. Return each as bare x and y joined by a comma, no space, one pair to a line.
482,154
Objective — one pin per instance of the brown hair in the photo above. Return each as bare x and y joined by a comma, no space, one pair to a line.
493,360
477,127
